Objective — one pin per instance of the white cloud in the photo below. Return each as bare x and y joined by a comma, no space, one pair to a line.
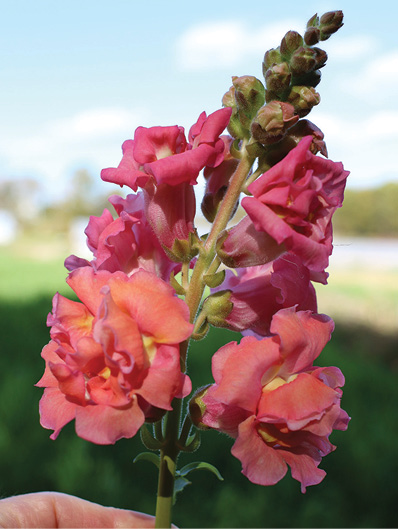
221,45
378,79
92,124
351,48
90,139
367,146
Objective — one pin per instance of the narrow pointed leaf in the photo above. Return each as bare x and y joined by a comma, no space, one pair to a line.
148,456
197,465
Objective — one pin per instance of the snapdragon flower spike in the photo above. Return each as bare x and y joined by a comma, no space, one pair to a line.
258,292
126,243
113,358
278,406
294,201
162,154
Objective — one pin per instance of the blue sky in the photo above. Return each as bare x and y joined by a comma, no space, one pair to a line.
78,76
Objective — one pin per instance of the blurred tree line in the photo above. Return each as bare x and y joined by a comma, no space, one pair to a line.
366,212
369,212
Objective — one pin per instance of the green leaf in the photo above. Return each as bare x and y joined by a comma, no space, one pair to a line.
148,440
179,484
148,456
197,465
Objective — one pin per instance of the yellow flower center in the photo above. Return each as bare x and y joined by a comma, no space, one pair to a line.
278,382
105,373
149,345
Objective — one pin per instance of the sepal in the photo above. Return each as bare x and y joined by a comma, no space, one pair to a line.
148,440
148,456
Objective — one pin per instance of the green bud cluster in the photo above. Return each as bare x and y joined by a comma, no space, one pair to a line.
271,114
292,70
319,29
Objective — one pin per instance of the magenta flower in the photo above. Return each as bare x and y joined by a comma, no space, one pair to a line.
258,292
279,407
126,243
164,155
113,359
294,202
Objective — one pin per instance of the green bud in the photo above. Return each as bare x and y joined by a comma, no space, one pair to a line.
217,307
228,99
272,122
313,21
235,127
277,78
249,97
303,61
329,23
197,408
303,99
271,57
290,43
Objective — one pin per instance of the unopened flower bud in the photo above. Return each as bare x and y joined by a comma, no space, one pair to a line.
271,57
277,78
290,43
304,127
217,307
303,61
320,57
329,23
309,79
235,127
272,122
249,97
197,408
303,99
312,36
228,99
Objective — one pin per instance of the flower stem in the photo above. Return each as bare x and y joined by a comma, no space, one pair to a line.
167,467
170,450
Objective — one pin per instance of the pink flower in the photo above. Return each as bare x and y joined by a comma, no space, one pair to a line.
126,243
217,180
170,211
294,202
279,407
113,358
258,292
164,155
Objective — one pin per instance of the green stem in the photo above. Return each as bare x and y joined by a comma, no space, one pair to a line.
170,450
167,467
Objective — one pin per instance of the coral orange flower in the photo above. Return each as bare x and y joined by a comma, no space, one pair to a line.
279,407
114,357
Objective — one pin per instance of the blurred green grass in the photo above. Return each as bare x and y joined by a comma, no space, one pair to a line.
360,489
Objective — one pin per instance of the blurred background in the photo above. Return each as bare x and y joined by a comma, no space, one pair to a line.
76,79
